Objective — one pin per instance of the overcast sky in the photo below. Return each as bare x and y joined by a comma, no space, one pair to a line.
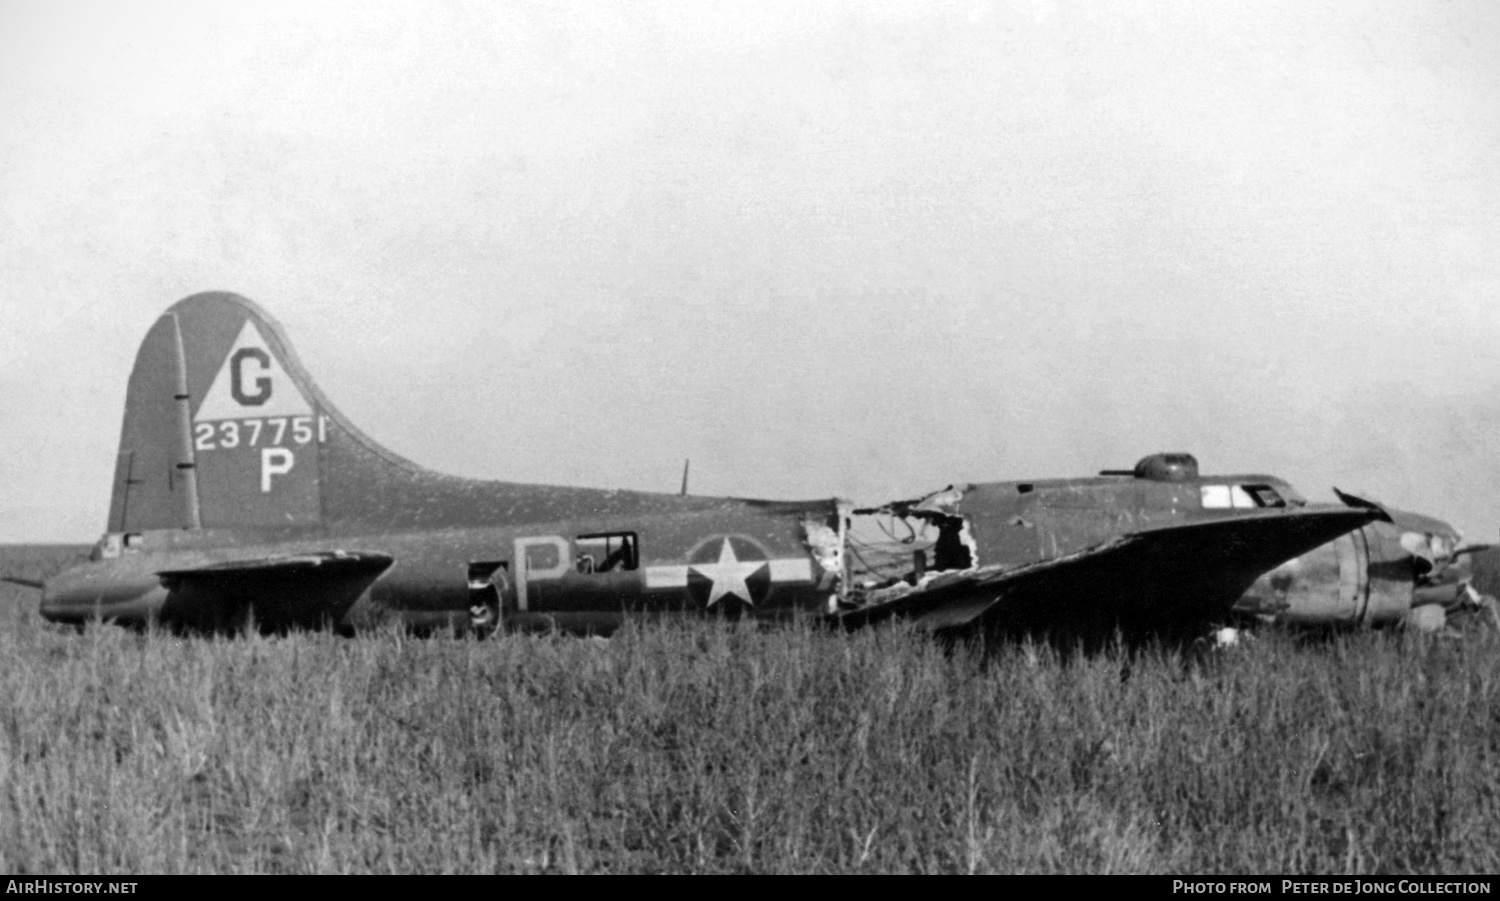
856,249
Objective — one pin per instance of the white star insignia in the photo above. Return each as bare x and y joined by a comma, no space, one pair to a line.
729,575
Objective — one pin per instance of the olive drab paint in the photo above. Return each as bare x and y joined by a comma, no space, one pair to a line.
256,438
246,438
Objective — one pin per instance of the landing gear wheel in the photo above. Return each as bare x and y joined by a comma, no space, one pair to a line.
484,619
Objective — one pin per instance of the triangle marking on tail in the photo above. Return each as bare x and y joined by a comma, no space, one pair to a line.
251,383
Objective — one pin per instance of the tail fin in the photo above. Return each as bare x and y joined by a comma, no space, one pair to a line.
222,426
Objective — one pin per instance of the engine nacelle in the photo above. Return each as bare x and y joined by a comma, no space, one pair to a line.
1375,575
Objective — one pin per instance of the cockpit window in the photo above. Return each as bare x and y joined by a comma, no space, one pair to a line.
1240,497
1265,496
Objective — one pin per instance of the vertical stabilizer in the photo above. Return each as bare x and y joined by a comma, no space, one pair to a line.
224,428
219,430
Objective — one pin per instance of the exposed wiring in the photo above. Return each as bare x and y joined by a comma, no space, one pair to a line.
910,538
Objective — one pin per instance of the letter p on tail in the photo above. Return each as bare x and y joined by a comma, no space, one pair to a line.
274,461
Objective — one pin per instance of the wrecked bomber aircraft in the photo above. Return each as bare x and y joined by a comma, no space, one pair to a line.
1159,548
242,494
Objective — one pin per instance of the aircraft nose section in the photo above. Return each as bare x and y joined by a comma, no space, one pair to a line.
91,592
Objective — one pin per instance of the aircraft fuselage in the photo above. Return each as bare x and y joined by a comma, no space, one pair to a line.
742,558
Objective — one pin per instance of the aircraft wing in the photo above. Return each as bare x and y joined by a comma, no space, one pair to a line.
277,592
1169,576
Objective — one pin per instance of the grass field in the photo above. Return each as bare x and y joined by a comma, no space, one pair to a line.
715,747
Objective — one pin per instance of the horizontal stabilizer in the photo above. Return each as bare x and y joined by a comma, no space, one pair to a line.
1168,576
275,593
328,562
29,583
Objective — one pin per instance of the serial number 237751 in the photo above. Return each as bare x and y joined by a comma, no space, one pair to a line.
273,432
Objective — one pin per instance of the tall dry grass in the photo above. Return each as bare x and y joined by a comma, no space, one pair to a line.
707,746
